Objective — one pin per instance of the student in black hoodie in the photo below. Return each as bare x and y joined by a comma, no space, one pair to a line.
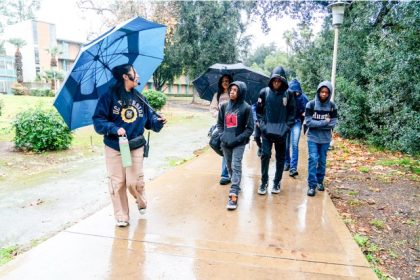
236,124
275,116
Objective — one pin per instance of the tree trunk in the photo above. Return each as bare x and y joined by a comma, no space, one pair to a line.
19,66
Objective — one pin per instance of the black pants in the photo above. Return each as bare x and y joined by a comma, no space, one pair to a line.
257,136
280,147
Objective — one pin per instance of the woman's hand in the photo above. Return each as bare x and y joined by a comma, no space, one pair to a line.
121,131
162,119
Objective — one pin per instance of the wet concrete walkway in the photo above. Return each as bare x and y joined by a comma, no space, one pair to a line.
188,234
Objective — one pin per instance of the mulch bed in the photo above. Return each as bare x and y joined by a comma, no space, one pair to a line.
377,195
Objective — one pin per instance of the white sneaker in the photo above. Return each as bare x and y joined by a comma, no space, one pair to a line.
122,223
142,211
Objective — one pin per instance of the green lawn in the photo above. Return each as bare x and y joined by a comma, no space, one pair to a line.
13,105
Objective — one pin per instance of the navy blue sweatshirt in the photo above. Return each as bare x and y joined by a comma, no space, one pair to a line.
110,115
276,107
300,99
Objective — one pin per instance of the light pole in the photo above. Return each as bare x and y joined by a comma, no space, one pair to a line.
338,17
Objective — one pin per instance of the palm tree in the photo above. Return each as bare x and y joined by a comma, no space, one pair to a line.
51,76
18,43
54,51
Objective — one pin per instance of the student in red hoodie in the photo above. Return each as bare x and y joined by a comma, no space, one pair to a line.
236,124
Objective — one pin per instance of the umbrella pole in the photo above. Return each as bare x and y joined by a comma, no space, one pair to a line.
147,104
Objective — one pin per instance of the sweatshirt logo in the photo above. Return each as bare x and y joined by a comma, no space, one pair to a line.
231,120
317,116
129,114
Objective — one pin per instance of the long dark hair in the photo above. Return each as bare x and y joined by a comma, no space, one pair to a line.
219,85
118,88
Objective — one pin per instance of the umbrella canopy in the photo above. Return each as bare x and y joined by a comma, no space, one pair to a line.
137,41
207,83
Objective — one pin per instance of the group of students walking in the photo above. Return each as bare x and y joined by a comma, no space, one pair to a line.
276,120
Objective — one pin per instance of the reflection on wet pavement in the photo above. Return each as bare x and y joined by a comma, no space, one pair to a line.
188,234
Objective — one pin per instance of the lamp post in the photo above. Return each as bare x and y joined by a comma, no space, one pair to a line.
338,17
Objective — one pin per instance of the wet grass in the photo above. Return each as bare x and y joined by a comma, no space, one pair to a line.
409,164
13,105
378,224
7,254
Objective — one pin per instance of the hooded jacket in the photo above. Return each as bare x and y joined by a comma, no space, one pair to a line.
316,113
300,100
276,109
110,115
235,121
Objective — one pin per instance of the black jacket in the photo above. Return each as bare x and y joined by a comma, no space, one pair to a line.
235,121
276,107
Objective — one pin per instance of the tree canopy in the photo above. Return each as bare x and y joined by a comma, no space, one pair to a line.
378,67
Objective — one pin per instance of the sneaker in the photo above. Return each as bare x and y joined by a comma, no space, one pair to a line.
276,188
320,187
293,173
224,181
286,167
262,189
122,223
142,211
232,202
259,153
311,192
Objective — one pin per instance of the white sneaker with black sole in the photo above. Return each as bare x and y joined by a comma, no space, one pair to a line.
122,223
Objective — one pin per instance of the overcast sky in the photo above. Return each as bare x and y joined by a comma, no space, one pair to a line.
71,25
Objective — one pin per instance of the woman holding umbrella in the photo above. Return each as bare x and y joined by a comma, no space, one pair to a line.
122,111
219,98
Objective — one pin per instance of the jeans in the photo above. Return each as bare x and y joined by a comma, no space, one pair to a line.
265,159
225,172
233,158
293,142
317,163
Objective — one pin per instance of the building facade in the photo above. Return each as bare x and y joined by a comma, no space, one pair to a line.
7,73
40,37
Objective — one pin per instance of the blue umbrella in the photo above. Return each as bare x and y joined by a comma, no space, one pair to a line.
136,41
207,83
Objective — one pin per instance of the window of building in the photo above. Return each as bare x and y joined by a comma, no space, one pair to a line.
36,51
35,32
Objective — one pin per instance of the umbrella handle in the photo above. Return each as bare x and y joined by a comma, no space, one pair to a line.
147,104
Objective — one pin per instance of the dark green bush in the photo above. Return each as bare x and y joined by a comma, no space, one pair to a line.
353,110
157,99
42,92
41,130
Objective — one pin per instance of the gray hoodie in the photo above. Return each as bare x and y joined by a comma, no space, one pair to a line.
316,114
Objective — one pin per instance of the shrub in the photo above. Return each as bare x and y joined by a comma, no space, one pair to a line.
353,110
156,99
19,89
42,92
1,105
41,130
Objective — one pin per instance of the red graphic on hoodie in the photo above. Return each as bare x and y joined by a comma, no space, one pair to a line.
231,120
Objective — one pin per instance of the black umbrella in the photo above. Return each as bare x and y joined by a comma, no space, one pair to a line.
207,83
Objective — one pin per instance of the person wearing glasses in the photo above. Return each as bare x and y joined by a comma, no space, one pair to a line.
123,111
